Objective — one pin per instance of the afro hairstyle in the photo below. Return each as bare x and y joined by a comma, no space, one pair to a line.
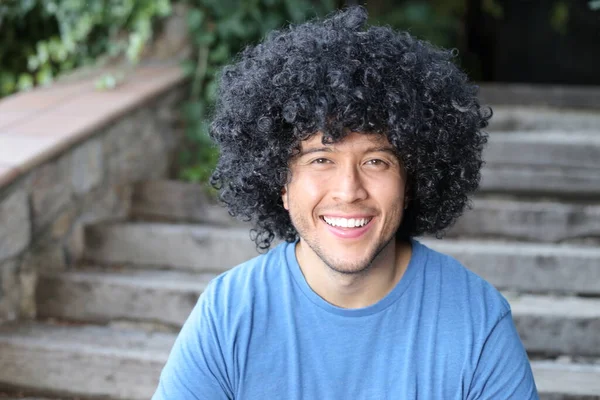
336,76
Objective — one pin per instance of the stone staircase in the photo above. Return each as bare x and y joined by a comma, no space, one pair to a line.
105,328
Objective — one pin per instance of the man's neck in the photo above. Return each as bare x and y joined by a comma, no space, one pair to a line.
360,289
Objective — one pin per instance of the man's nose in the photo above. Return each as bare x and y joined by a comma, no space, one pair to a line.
349,186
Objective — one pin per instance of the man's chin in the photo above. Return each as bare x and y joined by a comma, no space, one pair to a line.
349,268
355,261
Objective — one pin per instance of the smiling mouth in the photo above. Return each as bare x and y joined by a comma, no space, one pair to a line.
346,222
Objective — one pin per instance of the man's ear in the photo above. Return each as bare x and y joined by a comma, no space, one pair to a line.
284,197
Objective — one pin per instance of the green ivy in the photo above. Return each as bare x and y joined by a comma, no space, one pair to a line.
219,29
42,39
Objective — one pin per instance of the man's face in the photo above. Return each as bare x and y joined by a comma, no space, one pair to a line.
346,199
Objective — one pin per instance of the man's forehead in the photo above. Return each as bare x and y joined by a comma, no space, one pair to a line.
352,138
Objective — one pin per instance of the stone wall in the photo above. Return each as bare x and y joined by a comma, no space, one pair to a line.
43,210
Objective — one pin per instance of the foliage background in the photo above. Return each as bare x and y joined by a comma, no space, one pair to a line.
41,39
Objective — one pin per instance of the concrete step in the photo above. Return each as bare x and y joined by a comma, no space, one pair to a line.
177,201
541,221
521,118
548,162
528,267
28,395
82,360
121,364
545,181
548,325
191,247
553,325
17,396
164,297
551,148
563,381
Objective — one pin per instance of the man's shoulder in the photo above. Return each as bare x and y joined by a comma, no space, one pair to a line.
250,276
459,285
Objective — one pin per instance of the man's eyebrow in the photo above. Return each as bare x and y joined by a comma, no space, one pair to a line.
315,150
385,149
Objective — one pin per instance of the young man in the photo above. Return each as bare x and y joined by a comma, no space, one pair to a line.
347,143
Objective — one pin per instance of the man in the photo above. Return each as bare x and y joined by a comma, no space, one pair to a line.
347,143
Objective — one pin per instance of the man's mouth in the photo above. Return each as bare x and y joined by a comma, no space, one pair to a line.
346,222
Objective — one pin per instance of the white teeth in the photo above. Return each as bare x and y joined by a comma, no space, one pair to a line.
347,222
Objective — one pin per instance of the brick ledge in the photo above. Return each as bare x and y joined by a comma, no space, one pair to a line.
38,125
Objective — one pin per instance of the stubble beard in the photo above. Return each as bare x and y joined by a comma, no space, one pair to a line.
358,268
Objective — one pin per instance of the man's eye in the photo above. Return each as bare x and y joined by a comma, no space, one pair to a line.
320,161
376,162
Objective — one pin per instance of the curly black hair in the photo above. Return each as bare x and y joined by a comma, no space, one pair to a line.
334,76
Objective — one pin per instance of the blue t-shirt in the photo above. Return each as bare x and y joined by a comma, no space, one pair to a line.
260,332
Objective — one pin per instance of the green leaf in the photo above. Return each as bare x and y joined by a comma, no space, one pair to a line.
106,82
297,9
195,18
493,8
115,48
222,8
26,6
42,52
51,7
271,21
68,65
418,12
33,63
58,52
25,82
163,8
135,47
210,91
194,111
8,82
220,54
326,6
204,39
83,27
232,27
189,67
560,17
44,76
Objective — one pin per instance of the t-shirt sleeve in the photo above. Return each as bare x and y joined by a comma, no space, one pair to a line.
503,370
196,367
